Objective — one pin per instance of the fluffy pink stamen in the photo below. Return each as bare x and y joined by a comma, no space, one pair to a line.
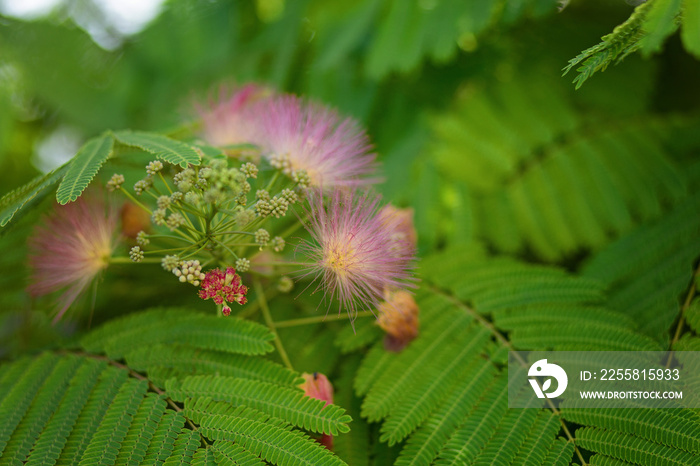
231,119
354,250
308,136
70,249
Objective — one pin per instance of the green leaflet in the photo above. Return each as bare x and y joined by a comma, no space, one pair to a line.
163,147
83,168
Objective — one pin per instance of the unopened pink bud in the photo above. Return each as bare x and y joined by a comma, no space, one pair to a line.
317,386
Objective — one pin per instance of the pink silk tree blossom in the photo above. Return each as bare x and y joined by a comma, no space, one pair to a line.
354,252
232,119
300,135
70,248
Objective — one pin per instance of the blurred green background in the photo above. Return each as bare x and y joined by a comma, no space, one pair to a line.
464,100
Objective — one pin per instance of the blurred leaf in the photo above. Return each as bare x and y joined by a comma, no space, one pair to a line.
30,193
659,24
690,33
67,71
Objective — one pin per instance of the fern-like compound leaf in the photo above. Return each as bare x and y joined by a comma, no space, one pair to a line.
182,360
104,445
161,446
121,336
185,446
621,42
540,178
676,428
285,403
539,441
141,431
631,448
459,354
473,435
427,441
83,168
105,391
205,457
648,269
18,400
275,444
163,147
42,408
229,453
47,448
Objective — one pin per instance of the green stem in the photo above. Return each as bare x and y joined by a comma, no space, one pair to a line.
217,233
272,180
273,264
260,292
166,236
316,320
681,319
135,201
162,178
294,227
126,260
235,256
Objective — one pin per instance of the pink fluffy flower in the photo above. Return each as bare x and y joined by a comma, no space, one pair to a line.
223,288
71,247
354,249
299,135
232,119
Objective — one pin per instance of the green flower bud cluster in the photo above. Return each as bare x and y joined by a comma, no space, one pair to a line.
201,215
136,254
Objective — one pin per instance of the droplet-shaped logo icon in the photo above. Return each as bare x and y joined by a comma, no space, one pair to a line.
543,369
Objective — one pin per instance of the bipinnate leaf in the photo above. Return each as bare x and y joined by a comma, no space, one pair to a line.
163,147
277,445
288,404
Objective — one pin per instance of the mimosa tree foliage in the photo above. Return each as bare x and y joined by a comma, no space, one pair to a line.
549,216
